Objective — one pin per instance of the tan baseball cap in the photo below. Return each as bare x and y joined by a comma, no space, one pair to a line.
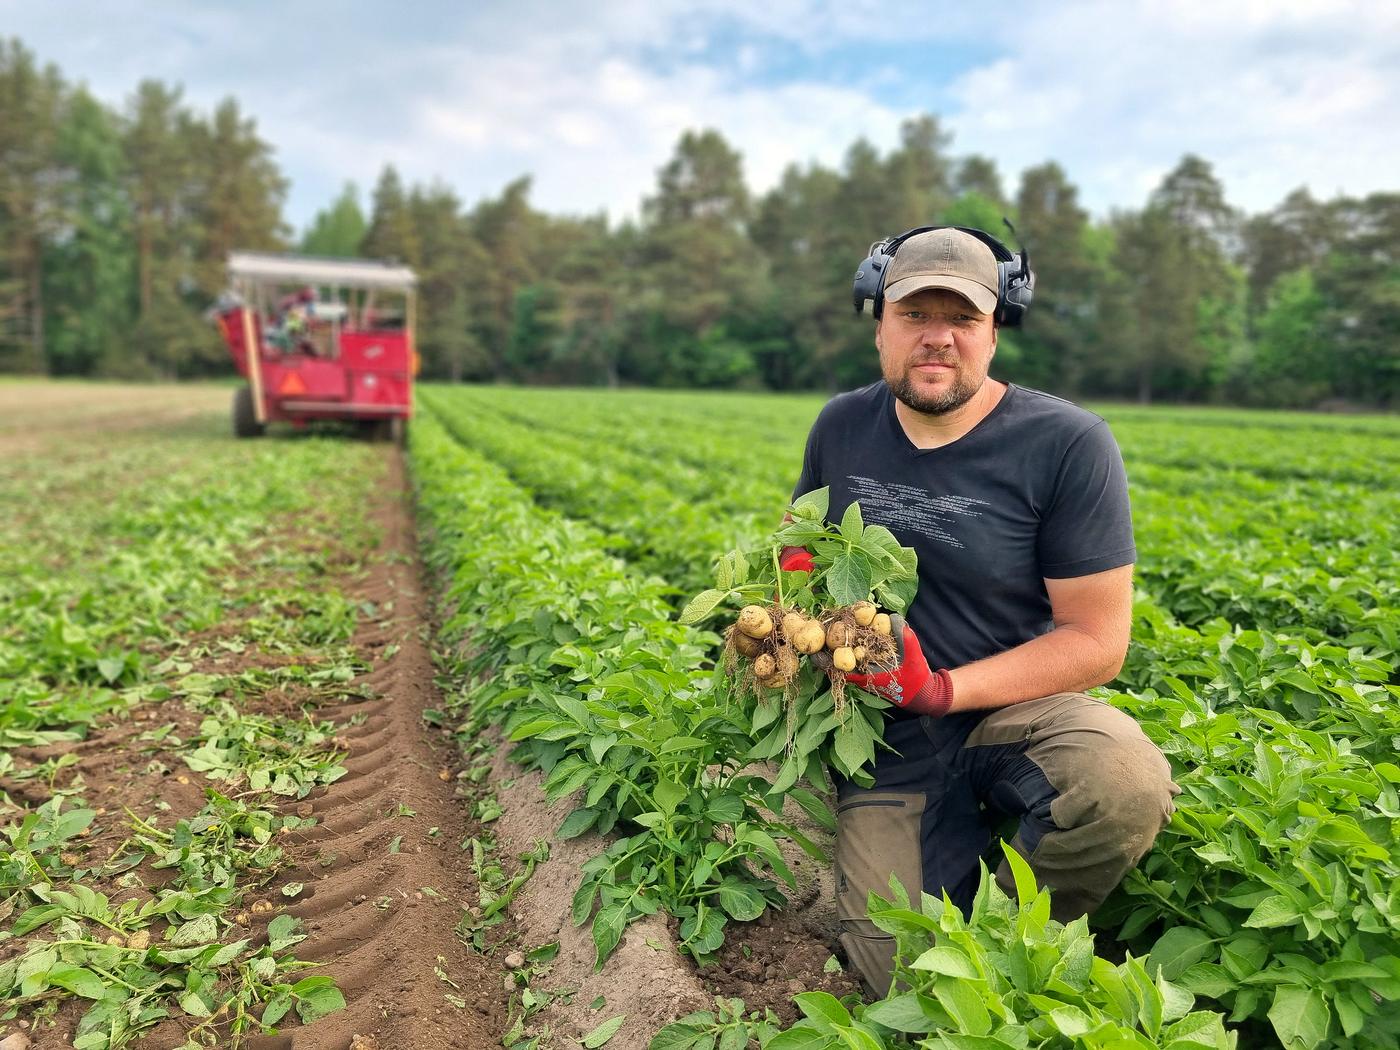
947,259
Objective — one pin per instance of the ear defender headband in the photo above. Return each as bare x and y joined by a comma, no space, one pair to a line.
1015,279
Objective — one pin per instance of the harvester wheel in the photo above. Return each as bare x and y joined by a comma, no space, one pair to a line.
245,420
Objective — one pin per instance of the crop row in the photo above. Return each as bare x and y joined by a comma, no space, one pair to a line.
596,688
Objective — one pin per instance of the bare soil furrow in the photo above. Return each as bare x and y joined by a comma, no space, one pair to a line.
382,871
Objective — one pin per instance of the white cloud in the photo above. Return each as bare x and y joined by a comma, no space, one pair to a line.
1274,95
591,100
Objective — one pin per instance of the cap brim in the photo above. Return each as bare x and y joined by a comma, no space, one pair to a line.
979,295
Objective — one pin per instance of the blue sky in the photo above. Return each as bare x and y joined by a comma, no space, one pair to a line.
590,99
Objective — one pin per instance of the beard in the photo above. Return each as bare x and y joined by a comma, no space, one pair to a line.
933,404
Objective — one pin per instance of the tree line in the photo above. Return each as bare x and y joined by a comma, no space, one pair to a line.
115,223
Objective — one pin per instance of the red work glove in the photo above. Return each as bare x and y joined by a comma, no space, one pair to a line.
796,559
911,686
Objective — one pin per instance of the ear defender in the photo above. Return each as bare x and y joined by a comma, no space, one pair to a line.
1015,278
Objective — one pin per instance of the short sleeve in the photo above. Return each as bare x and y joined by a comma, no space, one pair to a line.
810,478
1087,526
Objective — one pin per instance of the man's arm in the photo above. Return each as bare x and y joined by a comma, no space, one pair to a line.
1093,619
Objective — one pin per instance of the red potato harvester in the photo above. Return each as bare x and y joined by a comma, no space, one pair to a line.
330,338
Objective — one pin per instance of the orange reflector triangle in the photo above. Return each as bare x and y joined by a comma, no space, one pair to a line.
291,384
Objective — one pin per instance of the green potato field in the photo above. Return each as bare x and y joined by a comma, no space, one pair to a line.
310,741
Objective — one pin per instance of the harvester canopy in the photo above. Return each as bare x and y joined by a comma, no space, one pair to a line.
276,268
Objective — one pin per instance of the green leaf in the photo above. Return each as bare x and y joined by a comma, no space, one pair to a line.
78,980
576,823
799,1038
965,1005
608,925
70,823
848,580
111,668
701,606
682,743
283,932
194,1004
853,745
740,900
603,1032
814,807
316,1000
812,506
1300,1016
1070,1021
823,1009
668,795
1207,979
852,525
908,1012
228,953
946,960
1273,911
276,1008
725,809
1178,948
197,931
724,573
1026,889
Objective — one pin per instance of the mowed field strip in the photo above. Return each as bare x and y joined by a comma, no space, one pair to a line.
222,813
270,780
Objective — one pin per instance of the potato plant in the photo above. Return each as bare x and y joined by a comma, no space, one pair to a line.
1005,976
798,635
600,691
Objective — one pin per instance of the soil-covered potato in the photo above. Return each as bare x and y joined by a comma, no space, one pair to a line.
837,635
881,624
764,665
863,613
811,639
747,646
843,658
755,622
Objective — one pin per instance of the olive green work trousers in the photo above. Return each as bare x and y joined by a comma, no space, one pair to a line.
1086,788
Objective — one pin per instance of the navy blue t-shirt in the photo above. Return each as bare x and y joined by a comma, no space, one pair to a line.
1036,490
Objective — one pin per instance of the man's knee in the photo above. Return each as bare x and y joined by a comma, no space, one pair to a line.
1122,782
1113,796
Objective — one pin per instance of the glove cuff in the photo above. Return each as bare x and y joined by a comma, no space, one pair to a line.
935,697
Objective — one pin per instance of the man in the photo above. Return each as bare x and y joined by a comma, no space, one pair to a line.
1017,505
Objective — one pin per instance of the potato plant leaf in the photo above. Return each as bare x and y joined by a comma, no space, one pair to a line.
702,605
604,1032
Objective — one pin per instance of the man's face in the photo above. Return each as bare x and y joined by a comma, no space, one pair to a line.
935,349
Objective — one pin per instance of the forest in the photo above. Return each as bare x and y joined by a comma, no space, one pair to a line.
115,221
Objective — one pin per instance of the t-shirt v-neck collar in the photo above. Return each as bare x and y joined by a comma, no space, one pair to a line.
902,439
